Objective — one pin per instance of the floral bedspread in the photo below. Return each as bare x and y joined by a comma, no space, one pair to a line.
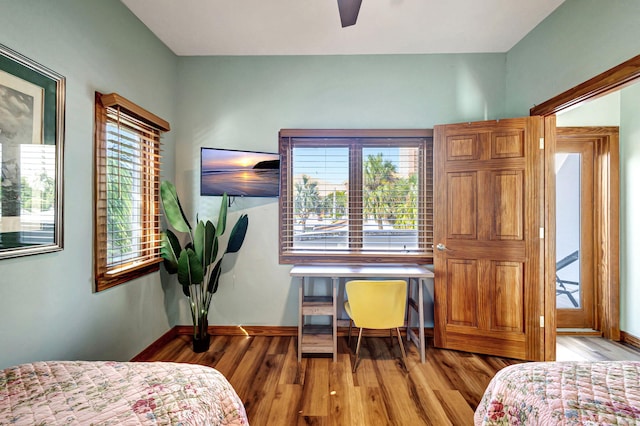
116,393
563,393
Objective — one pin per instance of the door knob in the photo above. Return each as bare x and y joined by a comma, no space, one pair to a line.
441,247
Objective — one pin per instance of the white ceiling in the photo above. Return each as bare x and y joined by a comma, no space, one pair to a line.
312,27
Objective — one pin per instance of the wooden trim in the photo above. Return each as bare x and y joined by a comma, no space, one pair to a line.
613,79
577,332
113,99
612,325
249,331
630,339
549,243
99,163
319,258
104,281
356,133
150,350
241,330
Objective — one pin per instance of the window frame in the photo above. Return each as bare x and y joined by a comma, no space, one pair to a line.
357,138
106,275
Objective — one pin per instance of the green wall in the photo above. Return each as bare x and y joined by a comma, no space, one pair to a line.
581,39
47,307
242,103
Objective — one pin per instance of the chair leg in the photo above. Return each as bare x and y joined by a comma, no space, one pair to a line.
355,364
404,355
349,341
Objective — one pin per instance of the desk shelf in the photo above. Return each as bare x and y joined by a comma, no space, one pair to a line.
317,339
317,305
312,338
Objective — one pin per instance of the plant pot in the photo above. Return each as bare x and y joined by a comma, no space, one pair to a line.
201,335
201,343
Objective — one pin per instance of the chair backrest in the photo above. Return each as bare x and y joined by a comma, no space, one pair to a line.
377,304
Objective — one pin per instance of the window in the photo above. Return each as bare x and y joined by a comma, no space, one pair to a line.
127,168
356,196
29,204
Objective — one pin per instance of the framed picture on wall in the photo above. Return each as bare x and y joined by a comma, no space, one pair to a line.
32,101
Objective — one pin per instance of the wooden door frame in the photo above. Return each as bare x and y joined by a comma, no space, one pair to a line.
609,81
575,141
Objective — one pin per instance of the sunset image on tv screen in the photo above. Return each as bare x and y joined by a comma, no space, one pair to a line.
239,173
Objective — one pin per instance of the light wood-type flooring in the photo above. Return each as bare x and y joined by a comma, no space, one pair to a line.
277,391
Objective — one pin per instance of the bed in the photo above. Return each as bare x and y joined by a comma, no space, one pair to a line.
116,393
563,393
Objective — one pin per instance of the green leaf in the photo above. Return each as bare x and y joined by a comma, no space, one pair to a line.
214,279
170,251
199,241
237,234
186,291
211,245
172,208
189,268
222,216
214,250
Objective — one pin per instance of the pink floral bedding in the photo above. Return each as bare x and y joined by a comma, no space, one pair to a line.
563,393
116,393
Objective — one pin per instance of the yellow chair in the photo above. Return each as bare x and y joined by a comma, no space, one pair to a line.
376,305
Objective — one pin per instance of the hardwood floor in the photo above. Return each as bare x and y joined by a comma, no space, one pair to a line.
264,371
445,390
589,348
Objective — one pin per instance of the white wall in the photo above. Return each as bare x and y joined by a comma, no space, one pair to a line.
48,309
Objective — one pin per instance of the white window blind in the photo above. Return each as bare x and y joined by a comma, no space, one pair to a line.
356,198
37,193
390,195
320,197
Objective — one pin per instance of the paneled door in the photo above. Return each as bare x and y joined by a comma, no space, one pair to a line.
488,246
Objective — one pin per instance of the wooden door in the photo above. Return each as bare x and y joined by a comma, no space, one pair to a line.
575,265
488,247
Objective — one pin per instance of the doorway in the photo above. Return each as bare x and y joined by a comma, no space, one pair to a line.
586,211
574,234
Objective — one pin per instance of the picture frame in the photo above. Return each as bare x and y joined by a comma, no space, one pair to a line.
32,110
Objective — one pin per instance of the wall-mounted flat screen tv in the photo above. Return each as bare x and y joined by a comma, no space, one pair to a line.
239,173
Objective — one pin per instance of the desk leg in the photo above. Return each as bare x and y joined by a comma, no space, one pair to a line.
335,281
300,317
418,307
410,305
421,284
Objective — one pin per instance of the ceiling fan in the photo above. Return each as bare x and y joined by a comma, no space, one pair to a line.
348,11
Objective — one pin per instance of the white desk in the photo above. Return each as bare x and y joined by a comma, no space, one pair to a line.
327,343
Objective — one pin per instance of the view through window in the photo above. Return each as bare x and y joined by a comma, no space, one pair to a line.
356,197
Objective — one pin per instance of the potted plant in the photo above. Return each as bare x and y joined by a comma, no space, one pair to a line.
197,262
